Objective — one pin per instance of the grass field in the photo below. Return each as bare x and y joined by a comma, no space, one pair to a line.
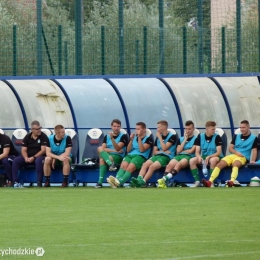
173,223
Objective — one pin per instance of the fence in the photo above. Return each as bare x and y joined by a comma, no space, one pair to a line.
34,48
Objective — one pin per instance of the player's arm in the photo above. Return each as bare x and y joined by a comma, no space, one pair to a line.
143,147
5,153
130,144
67,151
155,150
254,150
232,150
191,150
164,146
253,155
218,152
24,153
180,146
121,143
41,152
198,148
198,153
115,144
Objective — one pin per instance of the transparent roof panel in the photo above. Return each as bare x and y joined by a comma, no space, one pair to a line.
11,115
243,94
44,101
95,102
199,100
147,100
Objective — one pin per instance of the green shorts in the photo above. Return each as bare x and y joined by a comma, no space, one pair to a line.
182,156
162,159
136,159
116,158
60,163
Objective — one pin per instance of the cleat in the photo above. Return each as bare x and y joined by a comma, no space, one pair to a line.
114,180
133,182
64,185
111,184
112,168
145,185
140,181
230,183
161,183
47,184
99,185
206,183
39,184
196,184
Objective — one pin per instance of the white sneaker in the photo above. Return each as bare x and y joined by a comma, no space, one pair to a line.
113,181
196,184
112,168
111,184
18,185
212,185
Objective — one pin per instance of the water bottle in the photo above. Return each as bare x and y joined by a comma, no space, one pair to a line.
204,168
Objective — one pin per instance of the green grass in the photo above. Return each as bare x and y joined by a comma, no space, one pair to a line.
173,223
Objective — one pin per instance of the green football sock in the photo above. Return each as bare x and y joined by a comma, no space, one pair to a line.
105,156
125,177
102,172
120,173
195,174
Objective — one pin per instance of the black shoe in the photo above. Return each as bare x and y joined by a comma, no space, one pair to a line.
47,184
99,185
39,184
64,185
152,185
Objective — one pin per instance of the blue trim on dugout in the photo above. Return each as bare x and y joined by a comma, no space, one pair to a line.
70,106
122,104
253,74
175,103
258,78
226,103
19,102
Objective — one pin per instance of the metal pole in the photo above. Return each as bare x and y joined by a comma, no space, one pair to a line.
14,50
66,57
184,49
78,39
137,57
39,37
121,36
209,53
145,50
161,36
239,41
223,50
60,49
200,30
103,65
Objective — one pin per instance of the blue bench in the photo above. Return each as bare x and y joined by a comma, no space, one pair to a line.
184,176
